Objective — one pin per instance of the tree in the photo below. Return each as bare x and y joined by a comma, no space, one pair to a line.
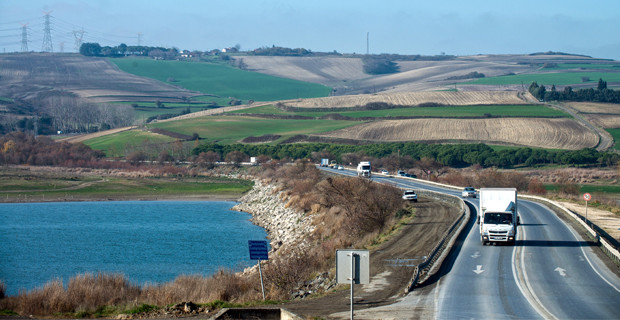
375,65
164,157
236,157
90,49
136,157
602,85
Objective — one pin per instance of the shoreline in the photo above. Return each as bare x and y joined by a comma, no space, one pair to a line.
202,197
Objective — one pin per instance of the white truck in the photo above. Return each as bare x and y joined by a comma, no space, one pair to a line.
363,169
498,215
324,162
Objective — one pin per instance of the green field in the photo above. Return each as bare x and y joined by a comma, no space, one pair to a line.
114,145
231,129
591,66
603,190
444,112
555,78
222,80
615,133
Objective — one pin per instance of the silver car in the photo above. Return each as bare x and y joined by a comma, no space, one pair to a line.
469,192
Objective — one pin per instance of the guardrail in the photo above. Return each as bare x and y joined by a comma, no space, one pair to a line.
606,246
433,260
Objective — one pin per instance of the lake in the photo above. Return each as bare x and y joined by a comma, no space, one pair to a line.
147,241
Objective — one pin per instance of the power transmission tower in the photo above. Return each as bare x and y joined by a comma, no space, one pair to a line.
25,37
367,43
62,47
139,38
47,35
78,39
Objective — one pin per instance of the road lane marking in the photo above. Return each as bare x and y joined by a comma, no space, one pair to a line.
475,255
561,271
478,269
529,294
590,262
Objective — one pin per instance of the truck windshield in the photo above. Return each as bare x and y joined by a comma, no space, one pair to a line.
365,167
498,218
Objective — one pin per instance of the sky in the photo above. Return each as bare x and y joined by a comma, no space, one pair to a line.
453,27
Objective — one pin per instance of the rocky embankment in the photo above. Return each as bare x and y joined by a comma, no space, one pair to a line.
268,205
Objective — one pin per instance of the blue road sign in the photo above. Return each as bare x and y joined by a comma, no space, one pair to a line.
258,249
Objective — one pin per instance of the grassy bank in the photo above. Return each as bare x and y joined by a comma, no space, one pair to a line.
25,185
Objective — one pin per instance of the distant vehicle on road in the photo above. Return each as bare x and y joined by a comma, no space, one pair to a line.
469,192
324,162
363,169
340,168
333,164
410,195
384,171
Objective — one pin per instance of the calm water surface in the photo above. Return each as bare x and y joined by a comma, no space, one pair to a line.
147,241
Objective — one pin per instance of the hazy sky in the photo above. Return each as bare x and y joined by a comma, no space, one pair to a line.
456,27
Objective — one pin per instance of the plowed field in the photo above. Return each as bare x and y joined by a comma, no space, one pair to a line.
605,115
449,98
533,132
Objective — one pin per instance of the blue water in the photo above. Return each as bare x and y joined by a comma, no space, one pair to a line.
147,241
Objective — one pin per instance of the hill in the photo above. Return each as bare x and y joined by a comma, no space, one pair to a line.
38,75
346,76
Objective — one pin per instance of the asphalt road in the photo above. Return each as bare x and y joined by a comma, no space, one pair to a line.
551,273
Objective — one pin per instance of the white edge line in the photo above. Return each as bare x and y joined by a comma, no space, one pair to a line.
544,313
590,262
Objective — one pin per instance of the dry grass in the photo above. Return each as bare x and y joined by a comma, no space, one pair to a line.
543,133
84,292
224,286
462,98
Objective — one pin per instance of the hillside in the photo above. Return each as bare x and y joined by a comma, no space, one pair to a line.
346,76
37,75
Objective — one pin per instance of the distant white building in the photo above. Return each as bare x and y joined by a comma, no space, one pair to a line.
186,54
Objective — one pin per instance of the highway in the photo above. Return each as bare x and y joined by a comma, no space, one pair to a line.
551,272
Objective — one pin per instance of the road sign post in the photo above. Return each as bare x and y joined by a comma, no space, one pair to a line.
352,266
259,251
587,197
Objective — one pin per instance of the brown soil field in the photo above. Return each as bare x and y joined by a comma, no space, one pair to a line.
450,98
534,132
605,115
28,75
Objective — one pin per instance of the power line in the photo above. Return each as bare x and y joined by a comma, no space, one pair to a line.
47,35
78,35
25,38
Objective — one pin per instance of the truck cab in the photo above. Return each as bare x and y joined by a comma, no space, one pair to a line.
498,216
363,169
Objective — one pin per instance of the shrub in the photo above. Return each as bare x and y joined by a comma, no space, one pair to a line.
536,187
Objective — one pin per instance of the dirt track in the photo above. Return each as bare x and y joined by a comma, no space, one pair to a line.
388,281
